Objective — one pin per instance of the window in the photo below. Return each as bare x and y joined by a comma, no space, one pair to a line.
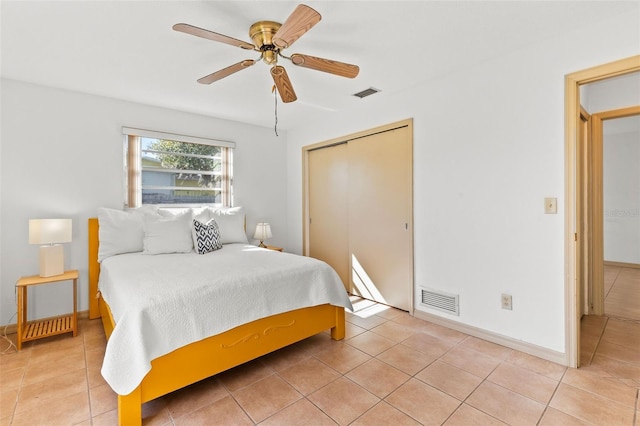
168,169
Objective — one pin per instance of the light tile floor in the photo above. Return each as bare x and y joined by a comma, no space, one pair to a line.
392,369
622,292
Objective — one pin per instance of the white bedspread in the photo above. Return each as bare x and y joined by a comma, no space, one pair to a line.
163,302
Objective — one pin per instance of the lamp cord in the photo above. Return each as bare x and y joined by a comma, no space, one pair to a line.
12,347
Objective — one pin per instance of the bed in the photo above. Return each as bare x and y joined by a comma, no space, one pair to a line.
199,359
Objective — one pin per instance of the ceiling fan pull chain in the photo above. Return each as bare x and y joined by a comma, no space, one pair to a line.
274,90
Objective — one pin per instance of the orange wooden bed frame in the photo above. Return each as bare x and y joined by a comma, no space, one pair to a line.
205,358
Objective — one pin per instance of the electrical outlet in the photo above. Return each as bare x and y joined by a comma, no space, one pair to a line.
507,302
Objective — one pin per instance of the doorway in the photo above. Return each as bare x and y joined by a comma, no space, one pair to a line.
576,243
597,129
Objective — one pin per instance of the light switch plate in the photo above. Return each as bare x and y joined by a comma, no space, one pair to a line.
550,205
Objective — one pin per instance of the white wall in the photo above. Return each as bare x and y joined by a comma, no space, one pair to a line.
621,197
62,156
488,147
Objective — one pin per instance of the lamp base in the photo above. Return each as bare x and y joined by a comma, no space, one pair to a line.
262,244
51,260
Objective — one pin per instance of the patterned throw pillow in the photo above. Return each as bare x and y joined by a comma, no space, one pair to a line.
207,236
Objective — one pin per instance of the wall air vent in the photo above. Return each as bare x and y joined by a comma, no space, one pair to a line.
366,92
440,300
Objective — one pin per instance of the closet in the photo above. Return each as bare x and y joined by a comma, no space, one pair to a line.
358,211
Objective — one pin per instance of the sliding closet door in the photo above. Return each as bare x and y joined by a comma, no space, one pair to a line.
380,217
328,219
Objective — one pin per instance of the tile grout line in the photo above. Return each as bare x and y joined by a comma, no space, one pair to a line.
439,358
24,373
604,327
613,283
486,379
636,405
555,391
86,376
635,413
411,376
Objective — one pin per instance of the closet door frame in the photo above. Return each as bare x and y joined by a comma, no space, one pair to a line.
343,139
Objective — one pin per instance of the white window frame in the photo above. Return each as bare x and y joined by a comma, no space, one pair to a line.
133,164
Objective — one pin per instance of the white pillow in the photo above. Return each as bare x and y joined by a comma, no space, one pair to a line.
231,223
147,208
168,234
121,231
201,214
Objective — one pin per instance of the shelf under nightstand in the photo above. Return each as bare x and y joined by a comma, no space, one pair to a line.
46,327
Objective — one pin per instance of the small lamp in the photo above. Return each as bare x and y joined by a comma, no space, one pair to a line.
263,232
49,233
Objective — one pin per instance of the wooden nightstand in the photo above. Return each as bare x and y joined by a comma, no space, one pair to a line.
275,248
47,327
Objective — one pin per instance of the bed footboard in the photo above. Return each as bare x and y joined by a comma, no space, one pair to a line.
199,360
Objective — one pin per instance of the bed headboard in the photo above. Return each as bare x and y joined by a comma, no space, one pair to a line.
94,268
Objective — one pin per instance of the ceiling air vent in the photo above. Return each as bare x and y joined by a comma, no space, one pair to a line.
366,92
440,300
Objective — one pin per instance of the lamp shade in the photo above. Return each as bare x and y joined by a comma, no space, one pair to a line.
263,231
49,231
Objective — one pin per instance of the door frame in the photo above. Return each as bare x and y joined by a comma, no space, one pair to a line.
343,139
597,231
584,213
572,238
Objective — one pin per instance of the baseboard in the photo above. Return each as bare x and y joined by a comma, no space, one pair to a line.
622,264
528,348
13,328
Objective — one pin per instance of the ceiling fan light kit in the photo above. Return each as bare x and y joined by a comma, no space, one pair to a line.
270,39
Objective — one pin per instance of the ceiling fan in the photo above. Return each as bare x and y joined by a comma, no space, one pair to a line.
270,39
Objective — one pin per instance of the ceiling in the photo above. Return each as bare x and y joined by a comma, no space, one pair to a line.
128,50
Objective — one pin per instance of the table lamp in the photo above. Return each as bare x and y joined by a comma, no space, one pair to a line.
263,232
49,233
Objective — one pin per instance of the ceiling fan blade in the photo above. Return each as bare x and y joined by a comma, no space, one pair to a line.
281,79
326,65
200,32
299,22
225,72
